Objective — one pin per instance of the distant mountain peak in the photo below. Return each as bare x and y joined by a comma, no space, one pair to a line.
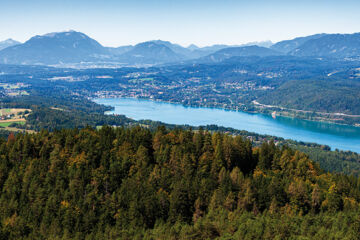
151,52
192,47
266,44
62,34
159,41
8,43
10,40
54,48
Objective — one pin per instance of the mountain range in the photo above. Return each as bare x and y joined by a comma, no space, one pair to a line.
73,47
246,51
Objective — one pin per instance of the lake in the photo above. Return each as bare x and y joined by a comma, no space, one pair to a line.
336,136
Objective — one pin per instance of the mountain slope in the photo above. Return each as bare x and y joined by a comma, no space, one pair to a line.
8,43
192,47
247,51
175,48
119,50
332,45
150,53
54,48
289,45
266,44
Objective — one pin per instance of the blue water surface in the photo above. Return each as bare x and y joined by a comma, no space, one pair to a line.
334,135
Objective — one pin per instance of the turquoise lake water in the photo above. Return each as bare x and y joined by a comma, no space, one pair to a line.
336,136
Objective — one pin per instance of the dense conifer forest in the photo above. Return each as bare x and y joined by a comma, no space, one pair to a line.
57,110
134,183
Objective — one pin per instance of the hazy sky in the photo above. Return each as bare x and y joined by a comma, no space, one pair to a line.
203,22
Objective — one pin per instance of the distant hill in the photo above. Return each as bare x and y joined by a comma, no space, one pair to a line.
119,50
175,48
54,48
8,43
150,53
247,51
205,51
266,44
192,47
192,52
331,45
289,45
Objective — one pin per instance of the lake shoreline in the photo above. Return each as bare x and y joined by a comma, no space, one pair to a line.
342,137
286,114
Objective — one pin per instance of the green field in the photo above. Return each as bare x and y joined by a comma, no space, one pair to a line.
6,124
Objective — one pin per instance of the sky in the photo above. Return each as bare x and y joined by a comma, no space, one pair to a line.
201,22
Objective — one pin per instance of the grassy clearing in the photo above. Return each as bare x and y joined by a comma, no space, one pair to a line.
8,123
15,111
13,129
13,115
56,108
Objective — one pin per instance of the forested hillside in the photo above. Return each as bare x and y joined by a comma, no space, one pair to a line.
52,112
117,183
